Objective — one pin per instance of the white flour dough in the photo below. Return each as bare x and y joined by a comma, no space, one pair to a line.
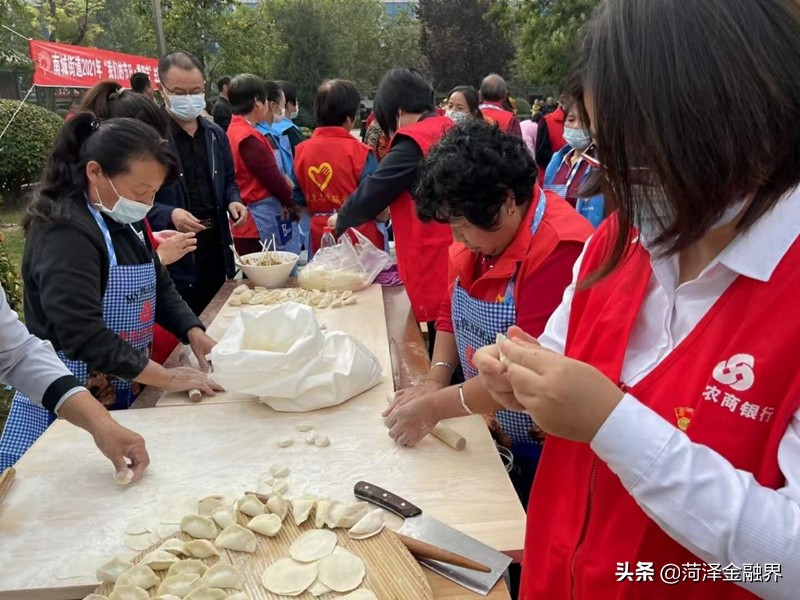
268,525
289,577
250,505
304,426
371,524
361,594
191,566
322,441
125,479
206,593
200,549
138,576
224,517
341,571
199,527
179,585
237,538
159,560
279,471
113,569
301,509
128,592
285,441
313,545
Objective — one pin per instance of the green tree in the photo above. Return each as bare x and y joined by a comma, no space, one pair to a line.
248,42
72,21
22,18
461,44
128,27
547,34
400,47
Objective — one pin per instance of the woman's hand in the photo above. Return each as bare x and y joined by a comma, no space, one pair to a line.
565,397
173,245
183,379
202,345
238,212
493,373
413,414
124,448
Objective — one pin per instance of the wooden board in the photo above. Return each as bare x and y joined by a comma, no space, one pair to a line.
392,573
365,320
64,503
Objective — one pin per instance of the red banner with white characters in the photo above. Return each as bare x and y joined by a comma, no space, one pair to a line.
63,65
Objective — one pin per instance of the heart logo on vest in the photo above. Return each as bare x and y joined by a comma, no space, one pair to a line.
737,372
321,175
147,312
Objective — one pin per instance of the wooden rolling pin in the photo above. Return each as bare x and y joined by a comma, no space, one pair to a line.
6,479
421,549
442,432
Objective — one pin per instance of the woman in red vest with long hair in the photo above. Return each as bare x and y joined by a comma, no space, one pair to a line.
330,166
667,380
405,109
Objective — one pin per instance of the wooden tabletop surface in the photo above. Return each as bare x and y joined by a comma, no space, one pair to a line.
410,357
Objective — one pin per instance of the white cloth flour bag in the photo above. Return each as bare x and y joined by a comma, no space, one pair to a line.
282,356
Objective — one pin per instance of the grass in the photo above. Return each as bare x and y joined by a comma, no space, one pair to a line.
15,242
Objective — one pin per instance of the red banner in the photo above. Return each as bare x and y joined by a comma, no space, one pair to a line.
63,65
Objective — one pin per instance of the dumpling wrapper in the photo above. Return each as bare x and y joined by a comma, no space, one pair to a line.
250,505
335,513
200,549
237,538
371,524
199,527
313,545
342,571
139,576
499,339
192,566
278,506
165,597
128,592
180,585
174,546
318,588
113,569
224,517
268,525
159,560
223,576
96,597
240,596
206,593
359,595
321,514
288,577
301,509
352,515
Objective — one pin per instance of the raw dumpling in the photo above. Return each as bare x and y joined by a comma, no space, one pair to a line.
301,508
179,585
280,488
318,588
200,549
113,569
206,506
238,538
288,577
199,527
352,515
313,545
278,506
371,524
321,514
335,512
192,566
341,570
138,576
224,576
128,592
206,593
166,597
499,341
224,517
239,596
250,505
360,595
96,597
175,546
311,437
268,525
158,560
279,471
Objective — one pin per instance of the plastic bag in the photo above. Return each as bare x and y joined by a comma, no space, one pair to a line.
282,356
345,266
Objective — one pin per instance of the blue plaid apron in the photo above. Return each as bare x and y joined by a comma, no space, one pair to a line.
129,306
476,324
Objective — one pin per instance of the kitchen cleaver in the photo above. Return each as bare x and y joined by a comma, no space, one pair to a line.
424,528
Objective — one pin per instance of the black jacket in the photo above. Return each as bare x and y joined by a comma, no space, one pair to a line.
65,270
185,272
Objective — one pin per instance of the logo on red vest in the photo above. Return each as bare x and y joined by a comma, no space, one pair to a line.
684,415
737,372
147,312
321,175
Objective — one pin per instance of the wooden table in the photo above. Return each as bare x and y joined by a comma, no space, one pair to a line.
36,477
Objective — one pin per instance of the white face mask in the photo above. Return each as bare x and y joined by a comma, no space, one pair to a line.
577,138
658,215
457,116
278,114
293,115
125,211
187,108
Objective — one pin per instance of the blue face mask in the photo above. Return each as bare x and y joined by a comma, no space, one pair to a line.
125,211
187,108
577,138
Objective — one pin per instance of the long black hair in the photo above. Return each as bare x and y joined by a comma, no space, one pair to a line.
471,97
700,101
109,100
114,144
405,89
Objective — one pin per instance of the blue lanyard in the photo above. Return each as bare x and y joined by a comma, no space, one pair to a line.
539,214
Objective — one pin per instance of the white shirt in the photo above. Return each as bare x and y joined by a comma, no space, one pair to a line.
721,514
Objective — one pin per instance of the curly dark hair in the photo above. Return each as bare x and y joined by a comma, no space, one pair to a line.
469,174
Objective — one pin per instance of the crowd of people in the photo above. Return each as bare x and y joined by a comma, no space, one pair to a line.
638,253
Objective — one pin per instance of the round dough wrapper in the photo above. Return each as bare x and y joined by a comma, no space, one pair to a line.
289,577
341,571
313,545
360,595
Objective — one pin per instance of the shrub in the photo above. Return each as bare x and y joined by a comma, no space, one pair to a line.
9,277
24,147
523,108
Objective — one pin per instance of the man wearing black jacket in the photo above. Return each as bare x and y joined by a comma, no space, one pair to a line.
206,192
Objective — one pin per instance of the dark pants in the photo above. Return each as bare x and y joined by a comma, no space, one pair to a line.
210,264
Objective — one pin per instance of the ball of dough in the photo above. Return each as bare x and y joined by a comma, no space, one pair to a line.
285,441
124,479
304,426
322,441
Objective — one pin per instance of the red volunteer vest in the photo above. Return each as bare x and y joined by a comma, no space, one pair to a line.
555,129
328,168
250,188
730,385
560,223
495,113
421,247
